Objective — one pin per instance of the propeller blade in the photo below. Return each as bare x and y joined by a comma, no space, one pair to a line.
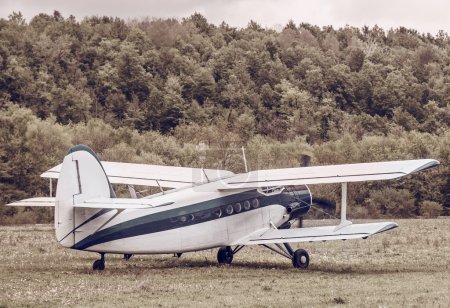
325,203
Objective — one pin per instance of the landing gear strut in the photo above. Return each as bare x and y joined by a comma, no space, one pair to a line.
225,255
300,257
99,265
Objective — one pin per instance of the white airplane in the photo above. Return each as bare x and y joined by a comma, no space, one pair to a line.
205,209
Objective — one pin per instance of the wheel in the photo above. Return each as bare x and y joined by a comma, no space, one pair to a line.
300,259
225,255
127,256
99,265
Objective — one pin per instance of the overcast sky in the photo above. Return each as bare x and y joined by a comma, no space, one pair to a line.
425,16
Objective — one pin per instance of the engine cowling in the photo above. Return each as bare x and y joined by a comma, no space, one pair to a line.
297,200
297,209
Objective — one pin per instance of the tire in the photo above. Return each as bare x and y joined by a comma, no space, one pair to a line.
225,255
99,265
300,259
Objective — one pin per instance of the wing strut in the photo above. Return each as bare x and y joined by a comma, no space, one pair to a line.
51,188
132,191
245,160
160,188
344,222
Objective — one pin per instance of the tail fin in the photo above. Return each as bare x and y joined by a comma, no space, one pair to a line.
82,178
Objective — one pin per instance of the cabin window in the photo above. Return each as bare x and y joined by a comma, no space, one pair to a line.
255,203
204,215
238,207
247,205
218,213
229,209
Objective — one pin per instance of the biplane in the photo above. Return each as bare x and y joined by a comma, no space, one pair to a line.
203,209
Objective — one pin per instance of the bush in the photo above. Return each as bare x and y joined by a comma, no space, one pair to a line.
431,209
391,202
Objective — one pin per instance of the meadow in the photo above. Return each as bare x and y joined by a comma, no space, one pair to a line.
407,267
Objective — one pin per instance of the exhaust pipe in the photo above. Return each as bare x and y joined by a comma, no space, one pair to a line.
297,209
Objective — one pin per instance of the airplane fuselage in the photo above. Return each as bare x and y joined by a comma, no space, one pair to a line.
189,219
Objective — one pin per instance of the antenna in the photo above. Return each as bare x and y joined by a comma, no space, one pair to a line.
245,160
207,178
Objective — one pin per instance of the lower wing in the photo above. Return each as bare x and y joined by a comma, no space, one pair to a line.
313,234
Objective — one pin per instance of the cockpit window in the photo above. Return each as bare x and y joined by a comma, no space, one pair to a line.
272,190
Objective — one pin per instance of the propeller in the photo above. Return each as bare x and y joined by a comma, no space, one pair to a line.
325,203
319,204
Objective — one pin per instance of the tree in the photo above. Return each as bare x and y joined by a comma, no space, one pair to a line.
133,80
200,22
203,86
331,43
355,60
71,105
173,106
17,18
28,147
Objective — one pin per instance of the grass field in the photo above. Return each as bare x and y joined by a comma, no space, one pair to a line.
407,267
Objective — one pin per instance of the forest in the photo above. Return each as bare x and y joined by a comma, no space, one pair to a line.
190,93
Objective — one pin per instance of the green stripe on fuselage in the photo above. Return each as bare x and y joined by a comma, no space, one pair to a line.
173,218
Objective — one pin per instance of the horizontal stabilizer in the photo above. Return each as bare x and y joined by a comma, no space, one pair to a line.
38,201
327,174
314,234
118,204
98,203
152,175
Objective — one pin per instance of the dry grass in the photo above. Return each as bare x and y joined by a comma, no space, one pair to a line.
409,266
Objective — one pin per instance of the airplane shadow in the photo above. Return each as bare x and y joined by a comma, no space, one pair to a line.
149,265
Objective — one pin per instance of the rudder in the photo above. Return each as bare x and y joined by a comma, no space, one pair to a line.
82,177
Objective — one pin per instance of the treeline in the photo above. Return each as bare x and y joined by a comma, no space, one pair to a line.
191,93
30,146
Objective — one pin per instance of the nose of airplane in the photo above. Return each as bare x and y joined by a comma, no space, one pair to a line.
297,209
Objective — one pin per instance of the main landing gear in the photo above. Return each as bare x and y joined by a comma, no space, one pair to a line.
225,254
99,265
299,258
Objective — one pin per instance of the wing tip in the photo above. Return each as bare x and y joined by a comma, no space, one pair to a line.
387,227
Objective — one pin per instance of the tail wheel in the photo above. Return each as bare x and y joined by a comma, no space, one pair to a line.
99,265
225,255
300,259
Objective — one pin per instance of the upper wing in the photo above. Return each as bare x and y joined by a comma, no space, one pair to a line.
327,174
313,234
152,175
